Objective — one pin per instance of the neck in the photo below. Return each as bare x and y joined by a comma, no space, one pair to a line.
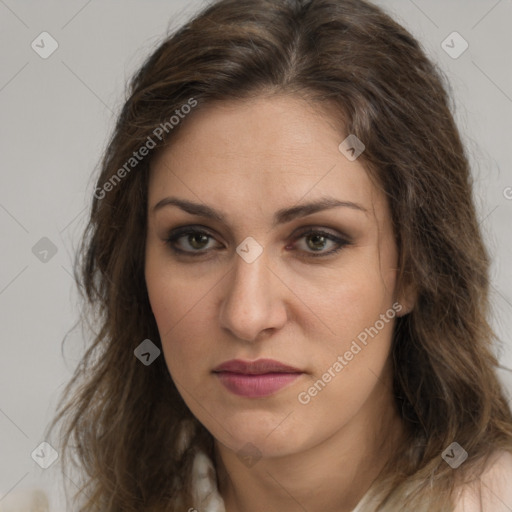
331,476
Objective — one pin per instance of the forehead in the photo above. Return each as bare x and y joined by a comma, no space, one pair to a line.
265,151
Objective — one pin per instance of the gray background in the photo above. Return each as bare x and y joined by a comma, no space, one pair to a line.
56,115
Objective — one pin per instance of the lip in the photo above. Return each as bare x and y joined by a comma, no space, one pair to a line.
256,379
258,367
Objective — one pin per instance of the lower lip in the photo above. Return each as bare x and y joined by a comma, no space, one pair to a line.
256,386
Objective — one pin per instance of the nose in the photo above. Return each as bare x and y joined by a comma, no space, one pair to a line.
254,300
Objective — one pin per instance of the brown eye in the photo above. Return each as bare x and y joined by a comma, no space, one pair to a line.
197,239
189,241
319,240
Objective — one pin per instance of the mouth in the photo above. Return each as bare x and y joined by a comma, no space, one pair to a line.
255,379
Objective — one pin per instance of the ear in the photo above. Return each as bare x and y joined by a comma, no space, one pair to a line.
406,296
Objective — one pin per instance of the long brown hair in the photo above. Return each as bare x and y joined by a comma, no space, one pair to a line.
123,418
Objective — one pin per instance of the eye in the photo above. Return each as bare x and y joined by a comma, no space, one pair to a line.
193,238
316,240
194,242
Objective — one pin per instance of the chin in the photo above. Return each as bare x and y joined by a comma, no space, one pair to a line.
264,440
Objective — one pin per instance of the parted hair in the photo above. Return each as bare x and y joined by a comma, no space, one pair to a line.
120,420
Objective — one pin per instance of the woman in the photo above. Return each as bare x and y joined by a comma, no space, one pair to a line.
289,278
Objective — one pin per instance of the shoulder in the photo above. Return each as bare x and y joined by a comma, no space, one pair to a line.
492,491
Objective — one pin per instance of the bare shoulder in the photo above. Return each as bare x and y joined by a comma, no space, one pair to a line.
493,491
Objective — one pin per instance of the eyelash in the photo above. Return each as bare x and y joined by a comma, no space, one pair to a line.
187,230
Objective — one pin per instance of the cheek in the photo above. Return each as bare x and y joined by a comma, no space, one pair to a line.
351,367
358,311
362,304
347,301
179,306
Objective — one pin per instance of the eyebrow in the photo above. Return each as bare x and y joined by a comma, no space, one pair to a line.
280,217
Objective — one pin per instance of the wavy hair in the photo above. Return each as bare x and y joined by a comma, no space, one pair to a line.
347,53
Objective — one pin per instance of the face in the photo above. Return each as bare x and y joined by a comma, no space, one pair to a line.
246,269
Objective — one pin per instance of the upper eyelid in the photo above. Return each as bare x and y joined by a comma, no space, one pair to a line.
317,227
180,231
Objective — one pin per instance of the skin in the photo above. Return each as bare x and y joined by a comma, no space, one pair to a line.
249,159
